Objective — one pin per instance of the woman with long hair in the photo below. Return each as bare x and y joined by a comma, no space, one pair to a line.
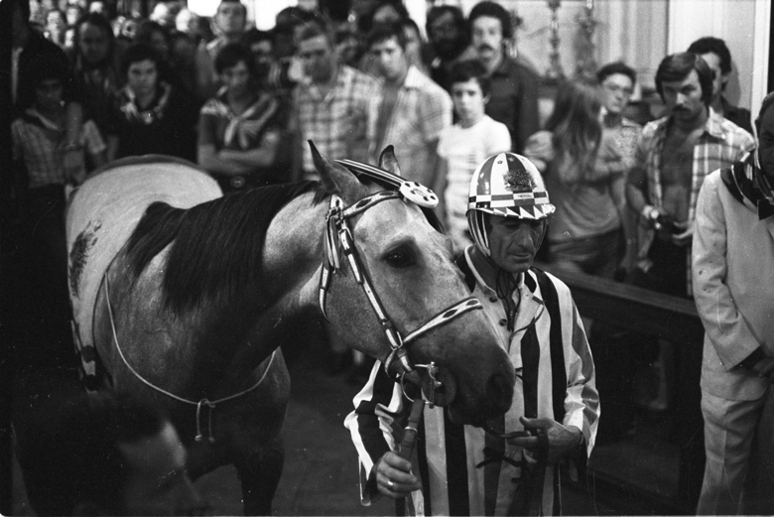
584,175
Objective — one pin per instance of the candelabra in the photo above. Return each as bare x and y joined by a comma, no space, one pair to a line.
586,64
555,65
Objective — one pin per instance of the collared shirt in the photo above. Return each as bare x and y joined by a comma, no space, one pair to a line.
421,112
37,142
340,123
719,146
546,309
513,100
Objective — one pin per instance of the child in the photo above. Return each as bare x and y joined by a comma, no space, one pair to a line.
464,145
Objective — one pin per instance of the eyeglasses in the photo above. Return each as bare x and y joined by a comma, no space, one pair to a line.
614,88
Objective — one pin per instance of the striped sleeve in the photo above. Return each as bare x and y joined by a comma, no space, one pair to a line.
581,402
371,425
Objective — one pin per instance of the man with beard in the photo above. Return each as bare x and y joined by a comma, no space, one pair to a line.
732,250
448,35
514,97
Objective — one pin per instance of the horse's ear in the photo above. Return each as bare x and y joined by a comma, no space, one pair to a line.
388,162
334,178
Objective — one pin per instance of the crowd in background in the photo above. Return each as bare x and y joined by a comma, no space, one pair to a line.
91,86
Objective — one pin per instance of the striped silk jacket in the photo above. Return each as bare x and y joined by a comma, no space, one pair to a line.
463,469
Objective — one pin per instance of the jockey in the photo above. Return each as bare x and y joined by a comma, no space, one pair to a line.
510,468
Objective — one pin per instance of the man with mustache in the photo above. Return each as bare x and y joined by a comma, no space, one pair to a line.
674,155
512,467
514,95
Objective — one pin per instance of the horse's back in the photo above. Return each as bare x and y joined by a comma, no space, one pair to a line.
104,211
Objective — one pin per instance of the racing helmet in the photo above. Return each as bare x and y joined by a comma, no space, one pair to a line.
505,185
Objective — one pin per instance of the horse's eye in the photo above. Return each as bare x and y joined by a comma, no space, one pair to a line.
400,257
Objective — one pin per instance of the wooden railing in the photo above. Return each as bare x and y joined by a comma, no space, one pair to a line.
666,318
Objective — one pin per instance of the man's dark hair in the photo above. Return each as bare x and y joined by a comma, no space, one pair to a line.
230,55
384,31
136,53
439,10
718,47
493,10
71,454
243,6
100,21
472,69
147,28
256,35
677,67
45,67
365,24
617,67
312,31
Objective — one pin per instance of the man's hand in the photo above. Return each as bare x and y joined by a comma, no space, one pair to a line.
394,477
685,237
561,440
73,165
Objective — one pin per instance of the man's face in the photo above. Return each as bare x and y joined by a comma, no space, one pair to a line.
230,18
263,56
157,483
236,79
683,98
487,36
94,43
766,143
617,89
316,58
142,77
390,59
48,95
55,21
444,35
514,242
720,80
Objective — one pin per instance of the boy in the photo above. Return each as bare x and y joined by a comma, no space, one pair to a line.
464,145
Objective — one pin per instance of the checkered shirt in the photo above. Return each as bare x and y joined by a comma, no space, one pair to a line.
421,112
37,141
721,144
341,123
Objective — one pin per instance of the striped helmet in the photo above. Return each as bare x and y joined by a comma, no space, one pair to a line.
506,185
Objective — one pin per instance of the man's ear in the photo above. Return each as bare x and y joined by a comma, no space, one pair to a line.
486,99
88,509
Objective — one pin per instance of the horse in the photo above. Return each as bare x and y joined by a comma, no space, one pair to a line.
183,297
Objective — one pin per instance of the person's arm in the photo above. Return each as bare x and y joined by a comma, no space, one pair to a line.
439,187
539,149
262,156
211,160
575,435
72,151
724,325
376,407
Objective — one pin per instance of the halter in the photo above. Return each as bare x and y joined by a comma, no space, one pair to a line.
339,237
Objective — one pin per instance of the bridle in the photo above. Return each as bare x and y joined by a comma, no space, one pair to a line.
339,237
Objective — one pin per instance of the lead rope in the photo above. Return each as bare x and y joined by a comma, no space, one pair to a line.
203,402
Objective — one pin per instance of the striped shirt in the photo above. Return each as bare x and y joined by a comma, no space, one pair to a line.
339,123
421,112
465,471
719,147
37,141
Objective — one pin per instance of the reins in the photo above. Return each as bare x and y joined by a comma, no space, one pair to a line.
211,404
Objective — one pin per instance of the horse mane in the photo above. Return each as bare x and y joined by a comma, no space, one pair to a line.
217,246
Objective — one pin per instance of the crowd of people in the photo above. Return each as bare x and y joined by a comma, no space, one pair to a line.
630,203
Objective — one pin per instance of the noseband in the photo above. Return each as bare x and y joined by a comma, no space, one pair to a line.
339,238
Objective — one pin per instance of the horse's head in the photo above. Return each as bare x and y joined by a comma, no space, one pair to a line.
395,293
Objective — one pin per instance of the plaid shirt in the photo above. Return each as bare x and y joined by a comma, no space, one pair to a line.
421,112
37,142
341,123
721,144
